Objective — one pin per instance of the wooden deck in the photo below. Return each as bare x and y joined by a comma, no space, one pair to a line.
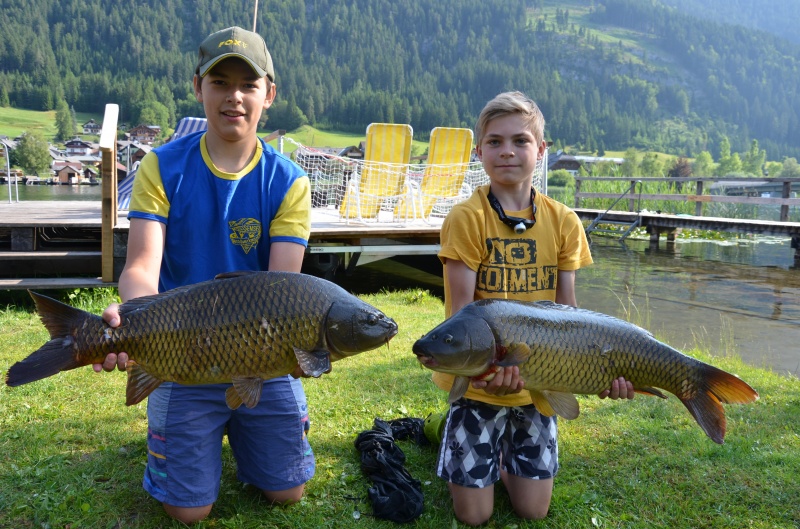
41,240
23,227
658,223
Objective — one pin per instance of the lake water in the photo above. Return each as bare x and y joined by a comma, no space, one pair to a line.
740,297
47,192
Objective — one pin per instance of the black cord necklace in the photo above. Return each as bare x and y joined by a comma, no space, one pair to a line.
518,224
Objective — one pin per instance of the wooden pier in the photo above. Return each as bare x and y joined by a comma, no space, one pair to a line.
52,244
658,224
58,244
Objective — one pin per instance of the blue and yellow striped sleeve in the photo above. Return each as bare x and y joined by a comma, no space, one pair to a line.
292,222
148,199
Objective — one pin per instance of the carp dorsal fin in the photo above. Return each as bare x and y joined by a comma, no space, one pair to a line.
460,386
313,363
237,273
556,403
140,383
245,390
143,301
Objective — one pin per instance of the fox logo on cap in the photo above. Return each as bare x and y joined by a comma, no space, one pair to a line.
232,42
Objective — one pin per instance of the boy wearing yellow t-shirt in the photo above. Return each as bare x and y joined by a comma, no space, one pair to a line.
507,241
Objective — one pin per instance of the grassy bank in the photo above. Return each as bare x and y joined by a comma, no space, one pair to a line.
73,454
15,121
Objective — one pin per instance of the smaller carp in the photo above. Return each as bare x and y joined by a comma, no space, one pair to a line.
563,350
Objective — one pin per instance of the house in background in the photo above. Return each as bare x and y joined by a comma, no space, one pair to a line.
91,173
129,152
68,172
78,147
56,153
146,134
92,127
573,163
9,144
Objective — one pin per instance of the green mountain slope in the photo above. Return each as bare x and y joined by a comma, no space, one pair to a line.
778,17
608,74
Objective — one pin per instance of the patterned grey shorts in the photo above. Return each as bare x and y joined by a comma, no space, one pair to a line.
477,434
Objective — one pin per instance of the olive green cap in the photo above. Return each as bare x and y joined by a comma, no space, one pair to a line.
235,42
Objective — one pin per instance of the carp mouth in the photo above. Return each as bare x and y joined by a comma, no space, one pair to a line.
426,360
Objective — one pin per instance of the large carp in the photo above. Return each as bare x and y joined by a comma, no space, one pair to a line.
242,327
562,350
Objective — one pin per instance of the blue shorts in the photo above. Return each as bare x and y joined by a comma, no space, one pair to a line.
477,434
186,425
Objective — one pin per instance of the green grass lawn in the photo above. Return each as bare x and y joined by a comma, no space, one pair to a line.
15,121
73,454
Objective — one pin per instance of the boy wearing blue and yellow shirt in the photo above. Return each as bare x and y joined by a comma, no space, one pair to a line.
212,202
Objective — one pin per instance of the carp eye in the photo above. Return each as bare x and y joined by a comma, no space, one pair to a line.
372,319
448,338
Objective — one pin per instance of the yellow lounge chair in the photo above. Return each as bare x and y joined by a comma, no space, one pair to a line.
383,174
448,160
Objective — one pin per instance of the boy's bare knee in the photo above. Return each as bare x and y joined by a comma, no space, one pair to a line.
532,512
187,515
473,518
284,497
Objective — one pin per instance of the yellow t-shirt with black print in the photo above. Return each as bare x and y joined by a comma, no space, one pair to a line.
522,267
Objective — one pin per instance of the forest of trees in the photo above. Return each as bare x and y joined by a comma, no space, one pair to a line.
343,65
778,17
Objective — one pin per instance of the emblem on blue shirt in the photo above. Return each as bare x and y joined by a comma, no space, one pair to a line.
245,233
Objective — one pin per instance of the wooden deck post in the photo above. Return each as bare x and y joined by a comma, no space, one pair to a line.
698,206
787,193
632,200
108,172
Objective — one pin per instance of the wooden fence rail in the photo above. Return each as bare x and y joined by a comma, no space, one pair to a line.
698,197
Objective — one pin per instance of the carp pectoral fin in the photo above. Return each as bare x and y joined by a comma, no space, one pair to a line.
516,354
140,383
556,403
460,386
245,390
653,392
313,363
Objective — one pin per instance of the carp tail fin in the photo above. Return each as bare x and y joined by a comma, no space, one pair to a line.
58,354
729,388
706,406
51,358
59,318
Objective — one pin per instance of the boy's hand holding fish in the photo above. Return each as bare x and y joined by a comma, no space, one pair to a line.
507,381
118,360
